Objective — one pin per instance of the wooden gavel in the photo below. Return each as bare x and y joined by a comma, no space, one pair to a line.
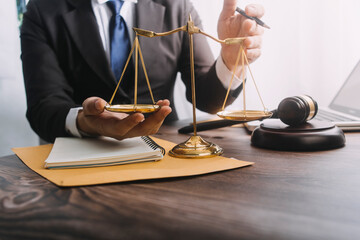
292,111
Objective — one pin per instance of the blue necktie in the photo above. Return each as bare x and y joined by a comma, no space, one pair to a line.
119,37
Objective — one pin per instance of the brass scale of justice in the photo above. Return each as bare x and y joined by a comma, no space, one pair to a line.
195,146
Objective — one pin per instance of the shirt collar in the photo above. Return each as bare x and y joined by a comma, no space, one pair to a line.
104,1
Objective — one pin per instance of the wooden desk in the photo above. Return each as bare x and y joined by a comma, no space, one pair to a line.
285,195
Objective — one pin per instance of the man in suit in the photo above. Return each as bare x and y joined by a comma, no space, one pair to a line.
66,64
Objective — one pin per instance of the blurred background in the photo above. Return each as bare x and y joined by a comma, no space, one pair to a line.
311,48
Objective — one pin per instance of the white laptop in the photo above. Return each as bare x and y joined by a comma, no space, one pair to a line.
344,109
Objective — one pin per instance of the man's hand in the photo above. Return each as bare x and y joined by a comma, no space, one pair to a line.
93,120
231,24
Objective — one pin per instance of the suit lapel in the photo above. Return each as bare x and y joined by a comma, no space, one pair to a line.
84,32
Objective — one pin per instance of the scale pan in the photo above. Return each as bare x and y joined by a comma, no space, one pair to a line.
248,115
132,108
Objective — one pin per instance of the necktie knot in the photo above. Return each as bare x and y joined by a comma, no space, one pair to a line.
115,6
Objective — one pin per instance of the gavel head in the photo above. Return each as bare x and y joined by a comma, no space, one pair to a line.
297,110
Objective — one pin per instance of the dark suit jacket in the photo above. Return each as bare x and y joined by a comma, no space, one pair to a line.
64,61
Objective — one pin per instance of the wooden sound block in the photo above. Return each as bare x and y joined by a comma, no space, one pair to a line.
312,136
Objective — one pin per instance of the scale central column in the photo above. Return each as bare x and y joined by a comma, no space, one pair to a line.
195,146
193,96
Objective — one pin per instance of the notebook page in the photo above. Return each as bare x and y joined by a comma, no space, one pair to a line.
85,149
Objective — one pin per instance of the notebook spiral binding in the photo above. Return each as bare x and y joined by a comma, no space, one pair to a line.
149,141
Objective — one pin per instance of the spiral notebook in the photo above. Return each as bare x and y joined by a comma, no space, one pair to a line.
95,152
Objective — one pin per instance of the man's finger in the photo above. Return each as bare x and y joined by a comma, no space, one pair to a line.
255,10
93,106
166,110
253,54
151,124
121,127
229,8
164,102
253,42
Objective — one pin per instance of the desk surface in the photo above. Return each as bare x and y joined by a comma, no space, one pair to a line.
285,195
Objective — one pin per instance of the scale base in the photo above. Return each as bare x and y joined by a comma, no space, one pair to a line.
196,147
312,136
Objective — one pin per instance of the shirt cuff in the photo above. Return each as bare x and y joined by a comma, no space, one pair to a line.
224,75
70,123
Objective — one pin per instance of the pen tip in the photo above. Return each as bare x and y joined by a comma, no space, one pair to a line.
266,26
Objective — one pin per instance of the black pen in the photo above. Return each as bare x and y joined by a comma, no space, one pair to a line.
203,126
258,21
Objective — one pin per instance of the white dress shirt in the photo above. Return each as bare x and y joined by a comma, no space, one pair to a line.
103,14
